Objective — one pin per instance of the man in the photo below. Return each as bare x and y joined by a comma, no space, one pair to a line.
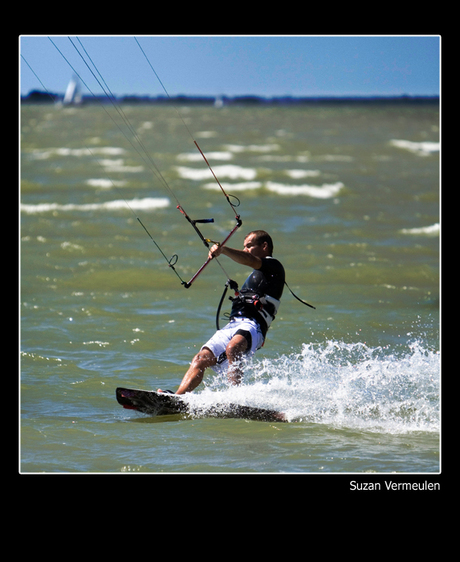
252,312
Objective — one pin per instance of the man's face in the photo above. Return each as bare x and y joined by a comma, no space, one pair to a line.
250,246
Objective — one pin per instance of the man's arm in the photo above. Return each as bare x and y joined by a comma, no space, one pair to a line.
239,256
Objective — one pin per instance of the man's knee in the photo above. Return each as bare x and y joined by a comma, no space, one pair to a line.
236,348
204,358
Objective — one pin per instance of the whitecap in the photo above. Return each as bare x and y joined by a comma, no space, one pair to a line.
118,165
103,183
432,230
78,152
43,154
229,171
71,247
108,150
145,204
197,157
230,187
252,147
419,148
326,191
334,158
205,134
146,125
299,174
38,154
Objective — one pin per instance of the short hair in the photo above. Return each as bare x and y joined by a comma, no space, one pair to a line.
260,237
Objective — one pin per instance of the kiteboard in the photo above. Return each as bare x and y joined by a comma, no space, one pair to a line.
164,404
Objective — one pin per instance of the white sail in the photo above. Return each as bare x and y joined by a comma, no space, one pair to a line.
72,94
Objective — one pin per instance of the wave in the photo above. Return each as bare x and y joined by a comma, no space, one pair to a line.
243,186
299,174
326,191
102,183
229,171
110,164
419,148
43,154
145,204
238,148
205,134
333,158
432,230
197,157
345,385
118,165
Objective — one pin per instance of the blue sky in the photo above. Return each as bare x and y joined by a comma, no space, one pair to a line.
259,65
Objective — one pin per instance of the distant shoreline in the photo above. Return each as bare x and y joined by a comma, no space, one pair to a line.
40,97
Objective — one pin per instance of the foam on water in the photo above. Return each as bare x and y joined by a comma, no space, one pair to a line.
241,186
104,183
228,171
144,204
238,148
43,154
420,148
299,174
197,157
326,191
432,230
344,385
118,165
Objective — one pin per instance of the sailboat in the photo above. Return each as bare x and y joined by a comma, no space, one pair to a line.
219,102
73,93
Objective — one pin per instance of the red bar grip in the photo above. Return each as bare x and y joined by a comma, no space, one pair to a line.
234,229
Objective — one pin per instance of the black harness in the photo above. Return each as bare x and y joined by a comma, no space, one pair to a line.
251,300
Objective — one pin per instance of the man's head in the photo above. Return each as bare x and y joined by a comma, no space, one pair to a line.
259,244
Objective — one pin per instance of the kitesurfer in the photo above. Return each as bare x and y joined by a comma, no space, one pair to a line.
253,310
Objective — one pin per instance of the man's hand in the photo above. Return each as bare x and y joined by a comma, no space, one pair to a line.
240,256
215,251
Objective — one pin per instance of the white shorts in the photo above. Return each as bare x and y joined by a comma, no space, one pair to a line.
218,343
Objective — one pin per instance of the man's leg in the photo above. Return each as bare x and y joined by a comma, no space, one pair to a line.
205,358
235,351
192,378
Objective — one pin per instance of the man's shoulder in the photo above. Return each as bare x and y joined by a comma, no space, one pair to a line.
272,267
272,262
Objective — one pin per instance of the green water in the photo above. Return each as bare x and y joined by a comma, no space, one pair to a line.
350,196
